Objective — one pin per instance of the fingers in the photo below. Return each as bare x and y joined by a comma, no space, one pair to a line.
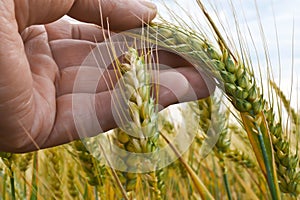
120,14
182,85
70,52
31,12
200,86
62,29
85,115
89,79
81,115
85,79
89,70
169,59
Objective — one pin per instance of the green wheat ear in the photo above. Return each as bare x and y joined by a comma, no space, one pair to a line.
289,173
240,86
143,135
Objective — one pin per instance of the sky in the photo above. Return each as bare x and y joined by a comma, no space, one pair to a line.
280,20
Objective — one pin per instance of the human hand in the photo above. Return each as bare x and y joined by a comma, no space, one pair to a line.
38,66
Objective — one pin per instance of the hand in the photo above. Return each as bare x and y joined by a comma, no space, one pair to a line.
38,65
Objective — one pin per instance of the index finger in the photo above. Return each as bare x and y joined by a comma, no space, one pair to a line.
118,14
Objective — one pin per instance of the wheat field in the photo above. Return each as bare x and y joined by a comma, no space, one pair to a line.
242,142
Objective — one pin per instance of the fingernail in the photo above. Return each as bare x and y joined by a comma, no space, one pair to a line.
148,4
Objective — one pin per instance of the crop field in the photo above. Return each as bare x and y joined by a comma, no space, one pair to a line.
241,142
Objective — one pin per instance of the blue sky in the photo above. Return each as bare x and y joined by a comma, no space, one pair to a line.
282,13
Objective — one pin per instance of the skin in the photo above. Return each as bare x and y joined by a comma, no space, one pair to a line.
38,65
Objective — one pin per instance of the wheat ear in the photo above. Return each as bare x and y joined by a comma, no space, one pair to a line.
143,135
54,172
